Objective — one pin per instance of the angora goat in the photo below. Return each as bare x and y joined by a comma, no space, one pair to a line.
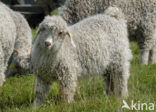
19,62
7,40
96,45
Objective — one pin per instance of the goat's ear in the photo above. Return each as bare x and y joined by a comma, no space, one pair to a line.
38,32
71,38
68,34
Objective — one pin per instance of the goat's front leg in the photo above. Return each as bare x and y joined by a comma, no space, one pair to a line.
41,90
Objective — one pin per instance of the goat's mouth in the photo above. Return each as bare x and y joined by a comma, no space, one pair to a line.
48,48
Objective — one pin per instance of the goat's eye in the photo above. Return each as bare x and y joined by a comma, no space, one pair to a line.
60,32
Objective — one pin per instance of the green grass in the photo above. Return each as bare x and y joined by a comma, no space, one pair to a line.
17,93
55,12
34,32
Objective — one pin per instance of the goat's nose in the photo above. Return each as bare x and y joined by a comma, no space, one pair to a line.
47,44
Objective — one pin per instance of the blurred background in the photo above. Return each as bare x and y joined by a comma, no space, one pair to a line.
34,10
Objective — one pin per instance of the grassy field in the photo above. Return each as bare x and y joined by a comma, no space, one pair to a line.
17,93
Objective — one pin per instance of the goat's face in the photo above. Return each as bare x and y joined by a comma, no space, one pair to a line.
51,33
51,38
